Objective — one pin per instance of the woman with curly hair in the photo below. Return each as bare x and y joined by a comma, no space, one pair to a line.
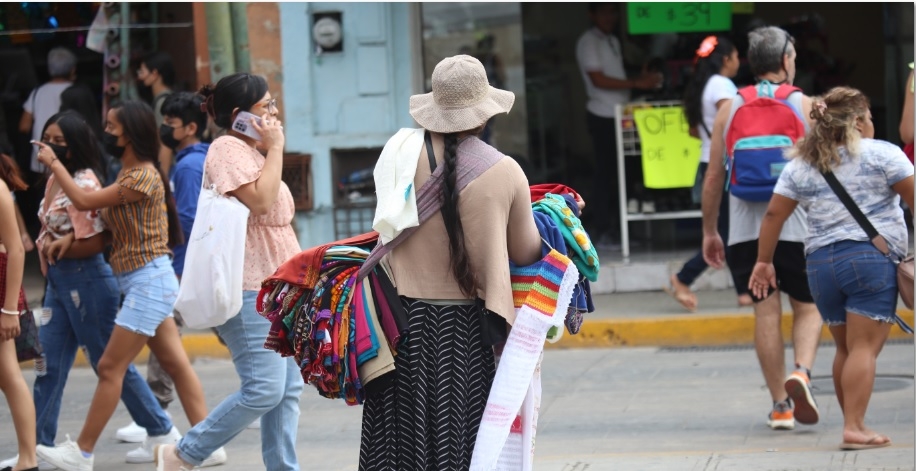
853,282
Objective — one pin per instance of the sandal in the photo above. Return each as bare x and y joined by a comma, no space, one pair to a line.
871,443
688,299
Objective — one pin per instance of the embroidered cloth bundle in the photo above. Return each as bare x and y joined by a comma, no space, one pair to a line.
342,331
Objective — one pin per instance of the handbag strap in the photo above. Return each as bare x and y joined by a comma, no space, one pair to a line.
476,158
429,151
857,214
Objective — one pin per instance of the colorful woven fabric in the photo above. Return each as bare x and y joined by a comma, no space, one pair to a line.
537,286
581,250
538,191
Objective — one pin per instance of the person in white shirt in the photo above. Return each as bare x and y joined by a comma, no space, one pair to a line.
44,101
709,88
600,59
771,55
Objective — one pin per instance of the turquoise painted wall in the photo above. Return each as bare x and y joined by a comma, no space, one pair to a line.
352,99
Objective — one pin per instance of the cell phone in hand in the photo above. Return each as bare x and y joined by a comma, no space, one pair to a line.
243,125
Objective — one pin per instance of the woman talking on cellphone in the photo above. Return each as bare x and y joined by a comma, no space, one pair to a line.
270,384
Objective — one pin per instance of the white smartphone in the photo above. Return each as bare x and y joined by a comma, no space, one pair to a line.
243,125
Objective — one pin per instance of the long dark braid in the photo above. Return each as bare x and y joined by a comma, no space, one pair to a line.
458,254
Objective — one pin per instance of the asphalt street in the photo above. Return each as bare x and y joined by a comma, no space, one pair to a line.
653,409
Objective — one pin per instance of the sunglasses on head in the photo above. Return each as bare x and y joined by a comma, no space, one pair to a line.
785,47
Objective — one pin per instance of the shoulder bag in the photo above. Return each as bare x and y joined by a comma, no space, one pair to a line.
210,292
28,346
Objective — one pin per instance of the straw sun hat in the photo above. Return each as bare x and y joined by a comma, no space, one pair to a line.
461,99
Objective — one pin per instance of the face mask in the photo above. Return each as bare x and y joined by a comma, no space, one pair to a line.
167,135
111,145
59,151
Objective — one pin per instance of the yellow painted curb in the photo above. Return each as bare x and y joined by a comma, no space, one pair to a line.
663,331
685,331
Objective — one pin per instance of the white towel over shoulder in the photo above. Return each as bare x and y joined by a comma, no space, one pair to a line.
396,209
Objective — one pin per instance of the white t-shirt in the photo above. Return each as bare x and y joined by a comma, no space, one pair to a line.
868,178
597,52
717,88
43,103
745,217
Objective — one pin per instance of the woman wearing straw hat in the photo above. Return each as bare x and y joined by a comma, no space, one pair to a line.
453,279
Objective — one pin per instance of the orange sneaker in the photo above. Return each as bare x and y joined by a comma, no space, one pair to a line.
781,418
798,387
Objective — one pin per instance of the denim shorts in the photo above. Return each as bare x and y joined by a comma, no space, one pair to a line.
853,276
149,296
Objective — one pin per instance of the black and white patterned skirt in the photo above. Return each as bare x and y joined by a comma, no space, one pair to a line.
427,417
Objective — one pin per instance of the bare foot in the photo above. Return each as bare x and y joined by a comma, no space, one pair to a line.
745,300
863,440
682,294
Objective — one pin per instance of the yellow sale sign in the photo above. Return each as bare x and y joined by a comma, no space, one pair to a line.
670,156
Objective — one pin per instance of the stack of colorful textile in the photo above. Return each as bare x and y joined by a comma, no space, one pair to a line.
341,330
557,217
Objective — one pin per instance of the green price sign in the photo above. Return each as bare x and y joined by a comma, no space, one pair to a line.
678,17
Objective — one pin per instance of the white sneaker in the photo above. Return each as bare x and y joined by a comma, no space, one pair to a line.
146,452
42,464
66,456
132,433
216,458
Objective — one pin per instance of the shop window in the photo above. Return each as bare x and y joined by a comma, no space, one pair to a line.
297,174
354,190
491,32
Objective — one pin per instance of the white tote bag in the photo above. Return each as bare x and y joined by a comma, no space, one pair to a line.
210,292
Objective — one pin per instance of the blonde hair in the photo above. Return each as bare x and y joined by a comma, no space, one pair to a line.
835,116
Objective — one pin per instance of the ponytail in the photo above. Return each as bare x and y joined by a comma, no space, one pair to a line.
835,116
458,255
708,62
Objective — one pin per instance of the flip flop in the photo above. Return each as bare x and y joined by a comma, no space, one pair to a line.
684,300
871,443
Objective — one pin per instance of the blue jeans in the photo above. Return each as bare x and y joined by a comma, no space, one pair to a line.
149,295
852,276
270,390
82,295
